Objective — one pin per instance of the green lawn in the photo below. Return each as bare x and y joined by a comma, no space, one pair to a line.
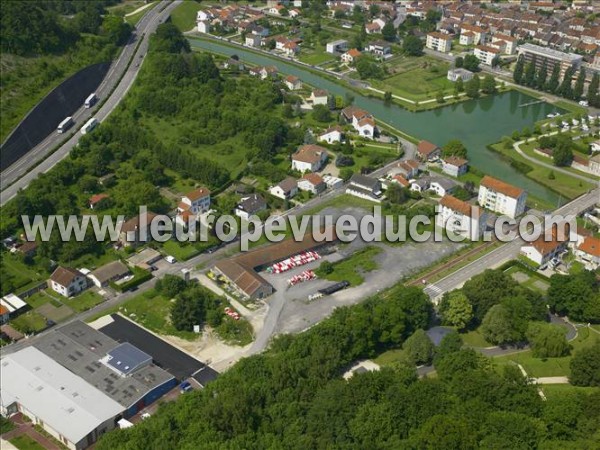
29,322
536,367
183,251
475,339
390,357
342,201
351,269
535,282
556,390
84,301
416,78
153,312
18,275
562,183
184,16
5,425
24,442
315,56
230,153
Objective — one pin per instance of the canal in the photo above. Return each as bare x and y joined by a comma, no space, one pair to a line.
477,123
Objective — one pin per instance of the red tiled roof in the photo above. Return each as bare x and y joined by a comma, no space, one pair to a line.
313,179
501,186
198,194
309,153
401,180
425,148
460,206
65,275
455,161
354,52
97,197
591,246
3,310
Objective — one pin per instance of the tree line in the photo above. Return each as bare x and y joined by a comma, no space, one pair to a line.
294,396
549,80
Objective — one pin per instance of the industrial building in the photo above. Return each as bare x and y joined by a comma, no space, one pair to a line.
77,383
241,271
62,403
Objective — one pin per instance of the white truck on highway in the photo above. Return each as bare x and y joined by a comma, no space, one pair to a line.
91,100
89,125
65,125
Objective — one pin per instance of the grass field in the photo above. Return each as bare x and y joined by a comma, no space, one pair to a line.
21,275
417,79
534,282
135,18
556,390
551,367
182,251
568,186
24,442
84,301
184,16
474,338
352,268
29,322
390,357
230,153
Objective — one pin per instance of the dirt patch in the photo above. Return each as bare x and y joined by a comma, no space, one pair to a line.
53,313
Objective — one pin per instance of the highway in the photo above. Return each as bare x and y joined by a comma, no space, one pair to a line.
120,77
506,252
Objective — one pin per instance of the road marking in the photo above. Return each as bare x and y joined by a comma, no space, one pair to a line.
433,291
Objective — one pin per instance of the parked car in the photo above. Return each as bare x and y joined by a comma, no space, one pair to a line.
185,387
170,259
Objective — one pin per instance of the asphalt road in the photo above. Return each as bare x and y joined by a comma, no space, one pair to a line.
506,252
121,74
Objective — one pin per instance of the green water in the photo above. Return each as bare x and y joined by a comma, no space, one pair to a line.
477,123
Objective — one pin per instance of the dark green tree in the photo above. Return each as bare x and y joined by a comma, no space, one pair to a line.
585,366
412,46
554,81
519,70
579,85
419,347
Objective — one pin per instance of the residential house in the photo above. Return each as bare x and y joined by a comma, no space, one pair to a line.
455,166
291,48
253,40
588,252
14,304
204,26
249,206
335,47
309,158
97,198
362,121
379,48
542,250
427,151
196,201
67,282
373,28
366,187
293,83
366,127
594,165
113,271
399,179
408,169
420,185
501,197
331,135
286,189
466,38
333,182
312,182
595,146
486,54
277,10
439,42
510,43
319,97
4,314
27,248
351,56
442,186
455,74
136,230
461,218
268,72
294,13
479,34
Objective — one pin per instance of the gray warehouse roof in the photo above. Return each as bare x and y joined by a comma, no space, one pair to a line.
60,398
127,359
80,348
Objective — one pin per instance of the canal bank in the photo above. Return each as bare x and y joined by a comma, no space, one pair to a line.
477,123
